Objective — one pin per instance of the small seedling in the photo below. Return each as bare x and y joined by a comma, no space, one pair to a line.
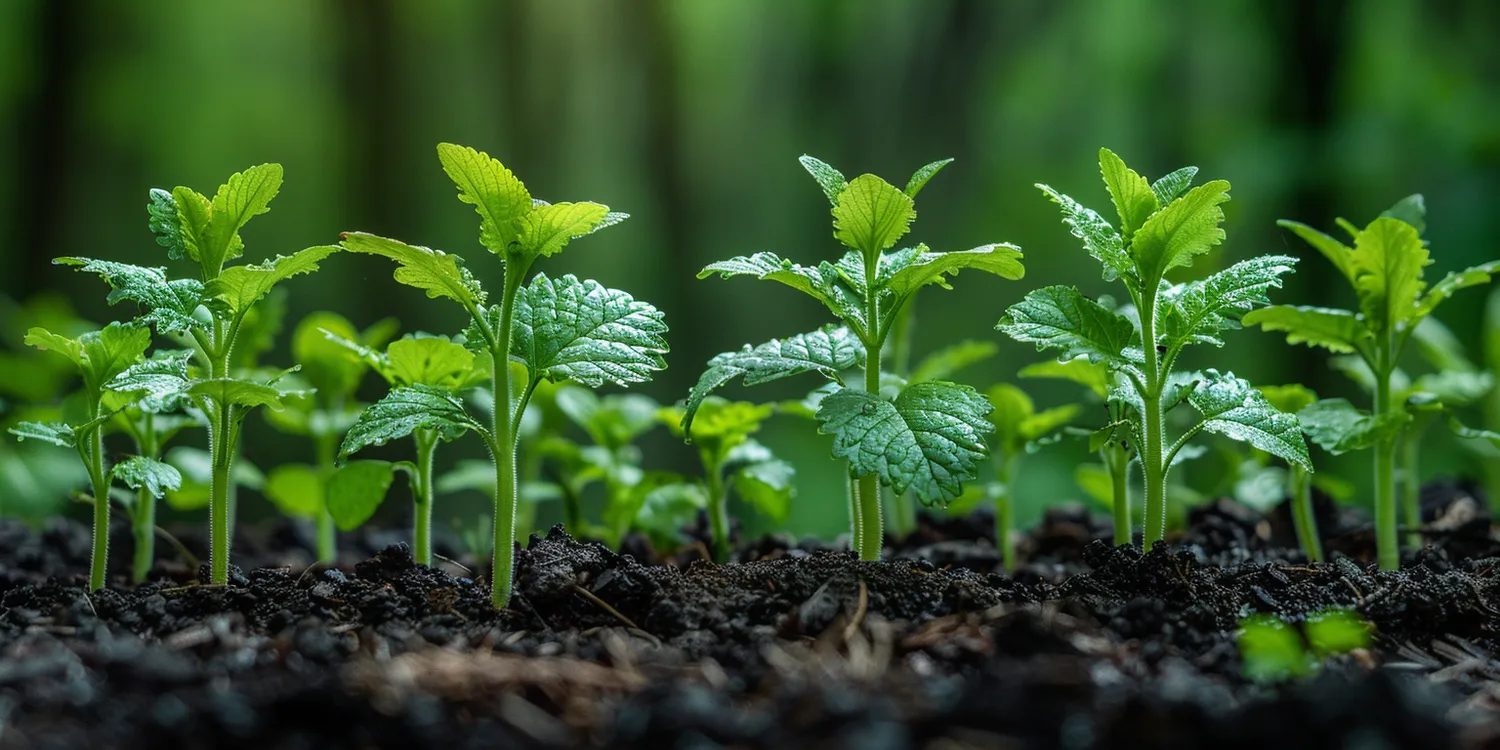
1385,267
928,437
1163,226
1292,399
562,329
733,460
1273,651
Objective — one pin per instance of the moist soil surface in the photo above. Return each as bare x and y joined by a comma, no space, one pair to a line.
794,645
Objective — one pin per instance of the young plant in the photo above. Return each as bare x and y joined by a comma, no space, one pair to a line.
1273,651
1163,226
1018,425
1385,267
563,329
100,357
323,414
1292,399
930,436
732,459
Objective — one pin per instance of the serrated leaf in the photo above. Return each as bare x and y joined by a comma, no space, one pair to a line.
435,362
194,212
165,223
1412,209
1338,331
929,440
1234,409
438,274
1187,227
1336,252
355,490
296,490
140,472
920,178
56,433
828,351
822,283
109,351
1197,311
1059,317
871,214
162,380
1172,186
500,199
245,195
245,393
1100,239
829,179
1450,284
941,364
168,303
566,329
1130,192
1080,370
405,410
1388,260
1338,427
239,287
548,228
916,270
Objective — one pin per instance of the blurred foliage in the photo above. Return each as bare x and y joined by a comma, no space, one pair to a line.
690,116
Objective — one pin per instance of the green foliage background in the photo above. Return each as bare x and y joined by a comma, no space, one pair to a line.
689,114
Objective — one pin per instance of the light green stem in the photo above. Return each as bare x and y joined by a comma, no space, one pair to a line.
218,504
1387,543
869,534
506,490
718,511
427,442
856,529
1411,486
143,522
1303,518
1153,466
328,540
1117,465
92,449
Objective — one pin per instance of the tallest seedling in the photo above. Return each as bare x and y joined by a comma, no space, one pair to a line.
557,329
927,437
1163,225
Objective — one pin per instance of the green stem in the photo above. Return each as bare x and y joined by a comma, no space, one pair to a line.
92,450
1153,467
427,442
143,522
869,534
856,529
218,503
1117,464
1411,487
903,514
1387,543
506,490
572,505
718,511
327,543
1303,519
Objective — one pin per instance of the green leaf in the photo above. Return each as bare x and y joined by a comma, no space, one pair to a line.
1080,370
1234,409
613,421
723,424
1271,651
405,410
434,362
1187,227
1197,311
1338,631
1412,209
239,287
566,329
912,271
1096,484
1337,427
196,467
929,440
828,351
439,274
500,199
822,283
1099,238
1450,284
169,303
330,368
108,352
194,212
829,179
1058,317
1469,433
245,195
1336,252
941,364
921,176
355,490
138,472
1291,398
551,226
1012,407
1338,331
1456,387
1388,260
165,223
296,490
762,480
1439,346
48,341
1172,186
236,391
1131,193
1048,421
56,433
666,506
162,380
871,214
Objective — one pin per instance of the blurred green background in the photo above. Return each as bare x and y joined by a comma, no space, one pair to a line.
689,114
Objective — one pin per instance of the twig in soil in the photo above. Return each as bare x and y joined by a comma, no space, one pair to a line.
455,564
589,595
859,612
89,597
181,549
305,571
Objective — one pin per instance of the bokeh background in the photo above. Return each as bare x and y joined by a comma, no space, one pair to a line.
689,114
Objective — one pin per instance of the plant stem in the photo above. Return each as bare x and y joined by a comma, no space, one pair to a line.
427,441
143,522
327,542
1155,473
851,493
1387,543
91,447
1005,514
903,513
1117,465
1411,486
506,490
572,505
869,534
718,510
218,504
1303,519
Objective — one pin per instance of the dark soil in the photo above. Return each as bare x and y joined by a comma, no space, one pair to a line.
797,645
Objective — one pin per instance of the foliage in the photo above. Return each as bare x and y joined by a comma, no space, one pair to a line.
1274,651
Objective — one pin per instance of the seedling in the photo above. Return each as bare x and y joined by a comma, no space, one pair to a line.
1273,651
1292,399
733,460
930,436
1018,425
323,414
100,357
1385,267
563,329
1163,226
